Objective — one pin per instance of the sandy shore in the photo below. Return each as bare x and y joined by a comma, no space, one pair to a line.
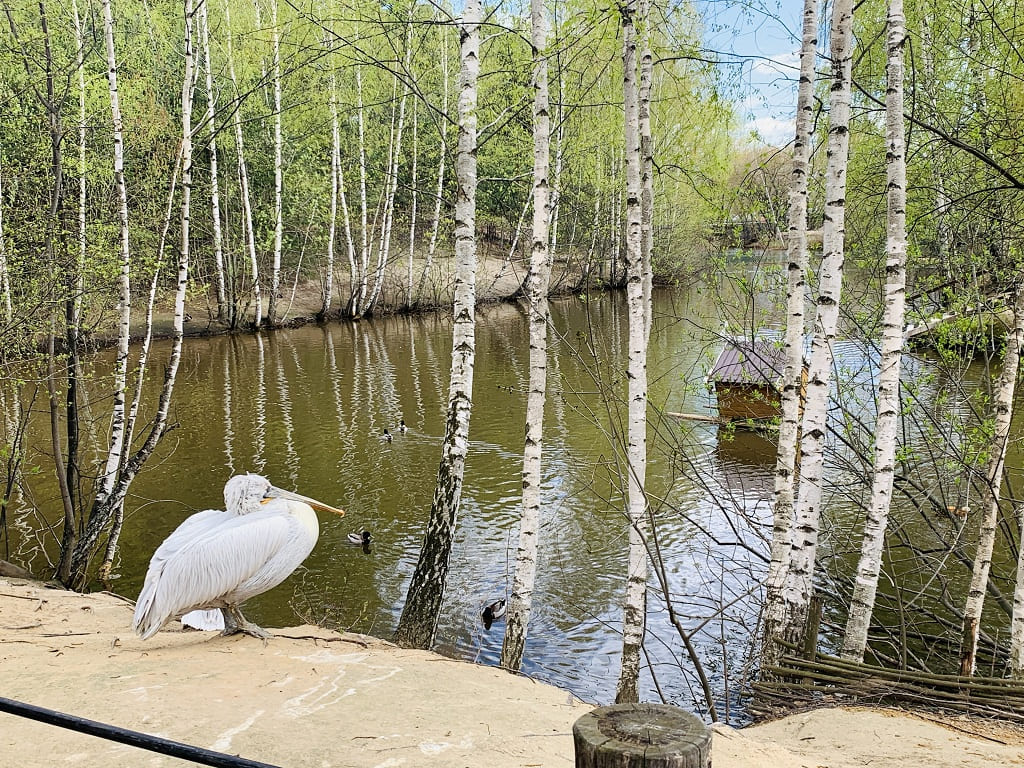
316,698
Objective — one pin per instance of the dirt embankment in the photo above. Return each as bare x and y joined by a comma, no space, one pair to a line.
314,698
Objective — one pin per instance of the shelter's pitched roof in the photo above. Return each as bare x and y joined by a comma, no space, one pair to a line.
746,361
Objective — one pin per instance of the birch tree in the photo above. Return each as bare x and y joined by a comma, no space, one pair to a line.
991,491
792,375
1017,618
435,224
275,271
118,416
862,602
110,498
635,605
418,622
223,312
521,600
248,225
799,584
5,280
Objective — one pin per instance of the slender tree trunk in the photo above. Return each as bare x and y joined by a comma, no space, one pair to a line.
1004,393
646,162
521,601
792,376
105,508
359,295
275,273
5,279
635,605
435,223
211,120
248,225
418,623
862,603
799,586
332,226
118,421
412,211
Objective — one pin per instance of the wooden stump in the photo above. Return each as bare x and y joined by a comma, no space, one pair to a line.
641,736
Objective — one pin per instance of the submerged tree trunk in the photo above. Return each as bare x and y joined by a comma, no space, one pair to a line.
418,623
792,376
635,605
799,585
862,603
521,599
991,489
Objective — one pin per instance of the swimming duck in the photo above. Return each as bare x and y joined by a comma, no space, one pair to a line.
493,611
386,437
402,428
363,538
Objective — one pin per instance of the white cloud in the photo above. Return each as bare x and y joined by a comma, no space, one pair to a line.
773,131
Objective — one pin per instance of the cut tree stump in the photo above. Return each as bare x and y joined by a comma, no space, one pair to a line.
641,736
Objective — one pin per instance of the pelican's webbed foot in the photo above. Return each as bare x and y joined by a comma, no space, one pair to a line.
235,622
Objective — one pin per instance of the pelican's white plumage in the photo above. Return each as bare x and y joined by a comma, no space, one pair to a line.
221,558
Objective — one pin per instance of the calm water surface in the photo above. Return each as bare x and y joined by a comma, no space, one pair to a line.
307,406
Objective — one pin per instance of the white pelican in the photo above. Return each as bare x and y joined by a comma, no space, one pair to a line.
221,558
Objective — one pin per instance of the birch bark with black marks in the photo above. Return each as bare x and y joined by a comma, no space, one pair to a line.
435,221
248,225
799,584
991,489
223,312
418,622
1017,618
792,375
275,270
521,600
635,603
124,306
862,603
105,507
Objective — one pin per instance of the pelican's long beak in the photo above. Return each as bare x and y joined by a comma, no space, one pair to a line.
280,493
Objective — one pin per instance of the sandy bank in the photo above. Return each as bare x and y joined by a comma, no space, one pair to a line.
316,698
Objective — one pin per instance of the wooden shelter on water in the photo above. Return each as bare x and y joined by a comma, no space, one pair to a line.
747,379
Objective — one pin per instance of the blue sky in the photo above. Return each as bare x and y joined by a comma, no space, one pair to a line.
760,40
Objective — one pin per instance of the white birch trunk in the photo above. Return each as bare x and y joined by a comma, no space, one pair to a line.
74,321
275,272
789,428
635,605
248,225
5,280
211,121
359,295
646,162
412,212
521,600
332,226
106,507
418,623
117,427
799,585
862,603
435,223
991,489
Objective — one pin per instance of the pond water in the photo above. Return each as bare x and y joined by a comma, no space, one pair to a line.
307,407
